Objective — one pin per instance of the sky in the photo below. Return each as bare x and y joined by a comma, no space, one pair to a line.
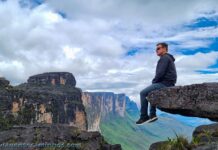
108,45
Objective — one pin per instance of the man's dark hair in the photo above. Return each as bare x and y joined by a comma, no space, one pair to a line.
163,45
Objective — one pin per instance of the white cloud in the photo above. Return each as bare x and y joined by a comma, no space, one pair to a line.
197,61
154,12
71,53
92,41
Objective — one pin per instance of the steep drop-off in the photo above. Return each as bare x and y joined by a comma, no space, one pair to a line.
114,115
199,100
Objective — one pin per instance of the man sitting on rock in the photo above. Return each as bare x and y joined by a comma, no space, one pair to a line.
166,76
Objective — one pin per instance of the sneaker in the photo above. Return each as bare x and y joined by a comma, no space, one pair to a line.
152,118
142,120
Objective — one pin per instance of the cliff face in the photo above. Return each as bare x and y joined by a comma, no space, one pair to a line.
199,100
131,107
99,105
53,78
45,98
47,109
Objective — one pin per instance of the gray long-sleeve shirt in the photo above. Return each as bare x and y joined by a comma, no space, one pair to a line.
166,71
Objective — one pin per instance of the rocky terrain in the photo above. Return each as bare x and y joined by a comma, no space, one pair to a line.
49,98
59,136
199,100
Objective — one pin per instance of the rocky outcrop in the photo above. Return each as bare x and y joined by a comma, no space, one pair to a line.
206,133
48,109
99,105
205,137
198,100
53,78
4,82
46,98
54,135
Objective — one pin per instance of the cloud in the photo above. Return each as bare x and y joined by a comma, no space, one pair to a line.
94,38
151,11
71,53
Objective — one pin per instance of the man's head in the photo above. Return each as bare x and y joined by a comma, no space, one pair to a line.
161,48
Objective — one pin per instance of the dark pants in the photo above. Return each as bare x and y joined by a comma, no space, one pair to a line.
144,102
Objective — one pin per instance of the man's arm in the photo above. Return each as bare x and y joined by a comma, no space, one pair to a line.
161,69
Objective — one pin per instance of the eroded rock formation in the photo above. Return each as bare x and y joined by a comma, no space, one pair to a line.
198,100
47,98
46,109
53,78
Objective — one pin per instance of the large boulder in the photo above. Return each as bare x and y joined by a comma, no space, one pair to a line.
207,133
196,100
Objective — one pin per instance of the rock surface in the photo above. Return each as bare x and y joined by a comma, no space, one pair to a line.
53,78
207,136
4,82
55,134
211,146
207,133
157,145
47,98
197,100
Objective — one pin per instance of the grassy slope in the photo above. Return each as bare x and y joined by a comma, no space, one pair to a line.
139,137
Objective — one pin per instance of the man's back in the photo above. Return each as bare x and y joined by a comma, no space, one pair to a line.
166,71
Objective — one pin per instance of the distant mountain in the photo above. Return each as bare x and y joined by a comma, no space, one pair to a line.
114,115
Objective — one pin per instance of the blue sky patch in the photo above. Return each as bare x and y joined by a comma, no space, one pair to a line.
132,52
30,3
62,14
210,48
214,65
204,22
206,72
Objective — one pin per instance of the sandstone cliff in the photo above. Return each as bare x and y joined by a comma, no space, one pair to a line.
46,109
47,98
99,105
